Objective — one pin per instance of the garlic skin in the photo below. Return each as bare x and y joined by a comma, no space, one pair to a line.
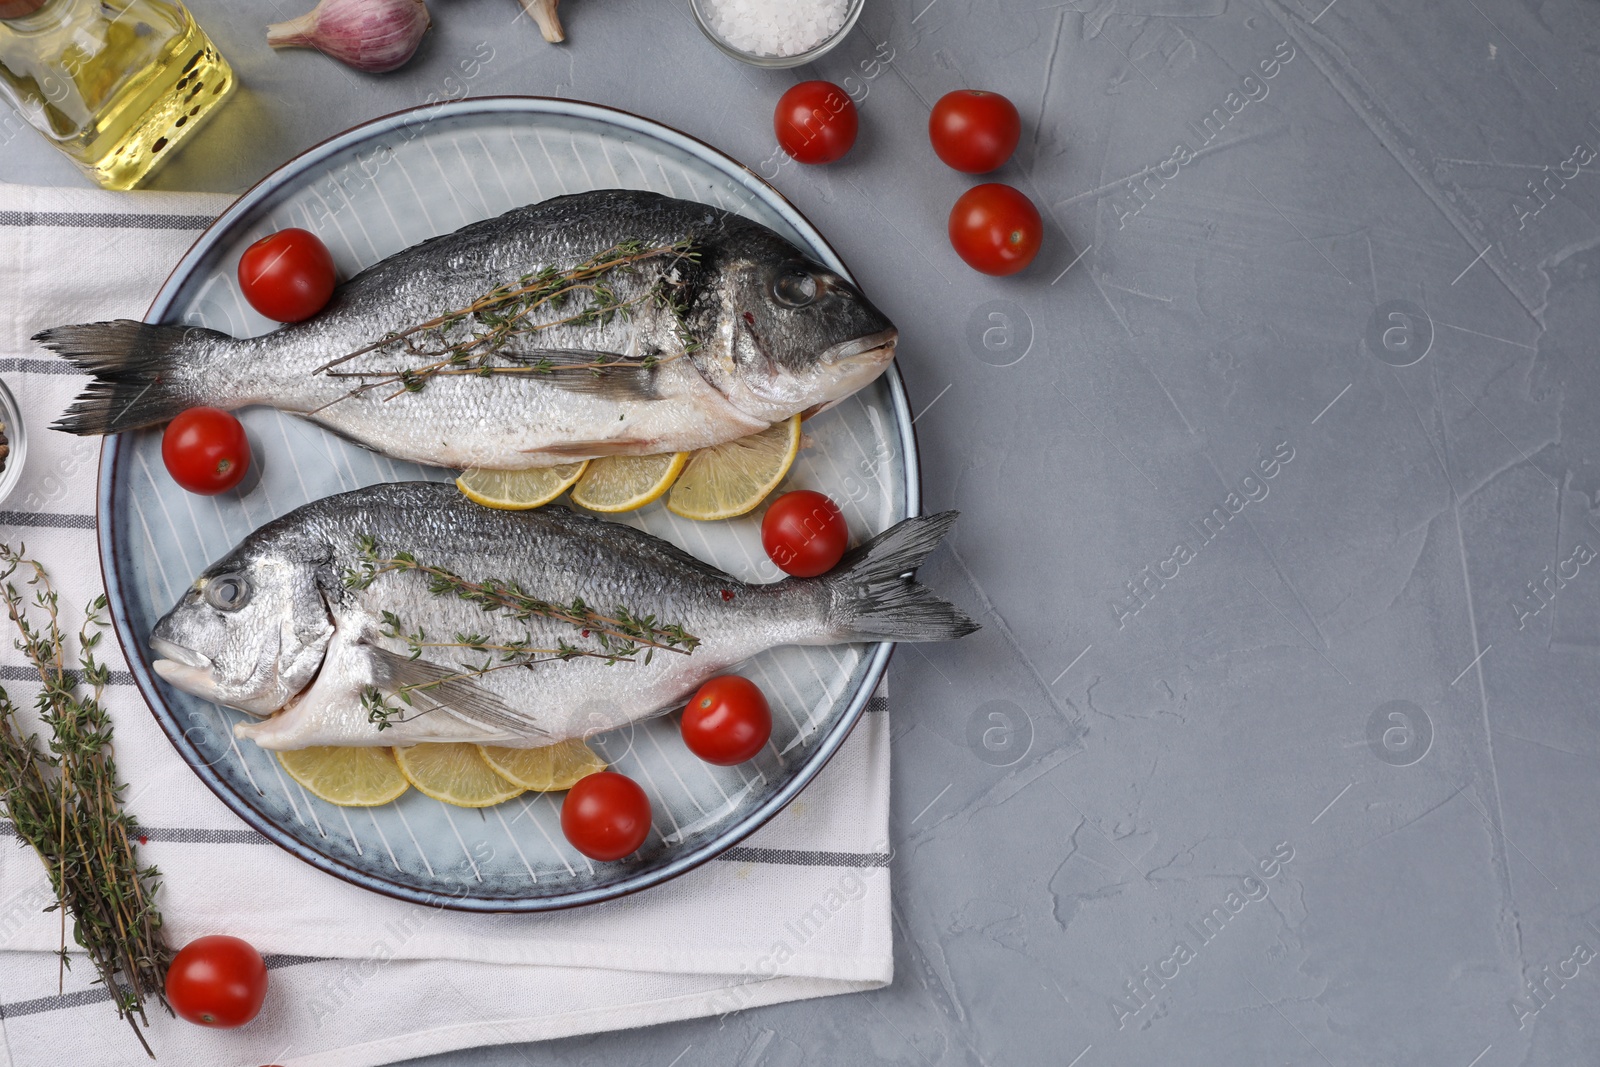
370,35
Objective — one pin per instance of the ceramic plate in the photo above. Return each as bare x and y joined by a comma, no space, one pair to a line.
369,193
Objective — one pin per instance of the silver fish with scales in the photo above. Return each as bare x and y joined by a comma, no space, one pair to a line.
319,619
603,323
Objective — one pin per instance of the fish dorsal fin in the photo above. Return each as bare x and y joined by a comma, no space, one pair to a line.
435,687
618,378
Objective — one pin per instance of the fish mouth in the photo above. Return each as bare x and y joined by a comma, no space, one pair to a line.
188,657
196,681
873,348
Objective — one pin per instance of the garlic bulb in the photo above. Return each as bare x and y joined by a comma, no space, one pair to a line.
369,35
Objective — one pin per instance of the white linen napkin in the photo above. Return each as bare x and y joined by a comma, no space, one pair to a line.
801,909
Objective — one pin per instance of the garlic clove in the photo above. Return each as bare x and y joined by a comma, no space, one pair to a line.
370,35
544,13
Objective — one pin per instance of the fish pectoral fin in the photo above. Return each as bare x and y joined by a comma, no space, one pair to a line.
437,688
606,374
616,446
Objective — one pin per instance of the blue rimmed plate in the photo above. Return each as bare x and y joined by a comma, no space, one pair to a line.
369,193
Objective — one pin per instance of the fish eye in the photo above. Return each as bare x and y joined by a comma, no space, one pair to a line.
228,592
795,288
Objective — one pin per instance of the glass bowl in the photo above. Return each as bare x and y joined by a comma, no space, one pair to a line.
775,62
17,437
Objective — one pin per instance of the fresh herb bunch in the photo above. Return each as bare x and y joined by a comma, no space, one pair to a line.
67,803
620,637
472,340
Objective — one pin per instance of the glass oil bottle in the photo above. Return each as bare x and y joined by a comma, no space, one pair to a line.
117,85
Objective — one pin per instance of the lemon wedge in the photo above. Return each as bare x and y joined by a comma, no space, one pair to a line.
349,777
454,773
518,490
545,769
731,479
626,483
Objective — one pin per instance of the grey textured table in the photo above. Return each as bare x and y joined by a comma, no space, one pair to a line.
1278,475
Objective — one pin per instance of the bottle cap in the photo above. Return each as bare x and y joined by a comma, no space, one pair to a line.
16,9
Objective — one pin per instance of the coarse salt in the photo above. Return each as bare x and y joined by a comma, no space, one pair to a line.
775,27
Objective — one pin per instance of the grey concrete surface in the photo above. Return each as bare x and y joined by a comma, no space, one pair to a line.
1370,675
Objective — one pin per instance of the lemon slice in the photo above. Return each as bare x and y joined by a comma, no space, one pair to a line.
546,769
518,490
455,774
626,483
349,777
730,479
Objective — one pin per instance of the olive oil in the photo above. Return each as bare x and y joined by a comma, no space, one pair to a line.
117,85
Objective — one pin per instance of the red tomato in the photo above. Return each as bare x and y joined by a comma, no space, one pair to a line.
804,533
606,815
205,450
995,229
816,122
287,275
727,721
974,131
217,981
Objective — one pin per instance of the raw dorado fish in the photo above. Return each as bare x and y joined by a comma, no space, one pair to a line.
603,323
311,622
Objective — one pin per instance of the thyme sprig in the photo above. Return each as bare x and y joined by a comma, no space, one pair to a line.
513,653
380,710
65,801
472,340
622,633
623,636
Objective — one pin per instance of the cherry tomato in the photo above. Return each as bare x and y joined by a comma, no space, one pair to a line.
727,721
804,533
995,229
606,815
974,131
217,981
205,450
288,275
816,122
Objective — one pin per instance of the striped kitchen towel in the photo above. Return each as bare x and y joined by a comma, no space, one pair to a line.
800,910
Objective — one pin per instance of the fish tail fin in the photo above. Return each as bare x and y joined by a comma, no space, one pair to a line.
141,374
872,600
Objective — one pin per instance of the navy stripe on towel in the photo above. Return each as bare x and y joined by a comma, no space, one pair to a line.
108,220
